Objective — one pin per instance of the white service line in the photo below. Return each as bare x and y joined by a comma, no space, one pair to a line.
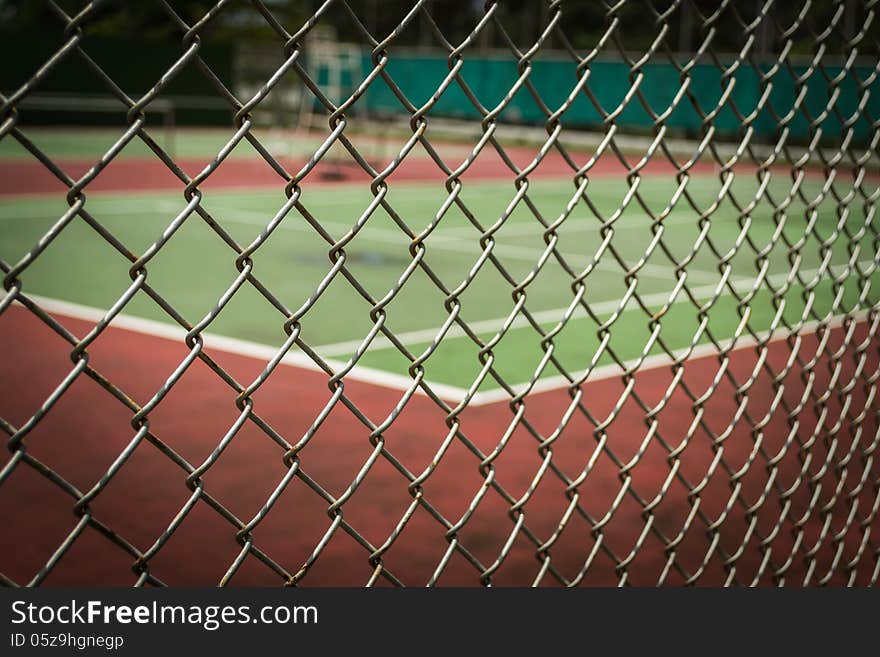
489,325
652,362
553,315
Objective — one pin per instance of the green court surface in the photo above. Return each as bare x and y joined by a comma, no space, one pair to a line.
194,269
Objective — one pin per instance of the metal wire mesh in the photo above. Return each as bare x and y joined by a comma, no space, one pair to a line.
830,428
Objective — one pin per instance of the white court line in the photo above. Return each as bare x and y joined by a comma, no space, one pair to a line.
553,315
384,235
450,394
450,239
382,378
239,347
575,224
131,206
612,370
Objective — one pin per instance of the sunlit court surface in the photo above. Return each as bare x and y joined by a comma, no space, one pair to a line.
440,324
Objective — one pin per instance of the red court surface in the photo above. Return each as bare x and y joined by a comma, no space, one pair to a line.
151,174
792,497
830,475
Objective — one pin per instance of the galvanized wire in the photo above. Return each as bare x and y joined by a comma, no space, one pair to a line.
851,438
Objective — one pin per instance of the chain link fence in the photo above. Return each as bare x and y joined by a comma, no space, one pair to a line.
787,490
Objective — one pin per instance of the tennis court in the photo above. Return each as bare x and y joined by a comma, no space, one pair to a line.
596,304
617,326
608,255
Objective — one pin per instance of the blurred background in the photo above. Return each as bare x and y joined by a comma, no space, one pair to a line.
243,49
